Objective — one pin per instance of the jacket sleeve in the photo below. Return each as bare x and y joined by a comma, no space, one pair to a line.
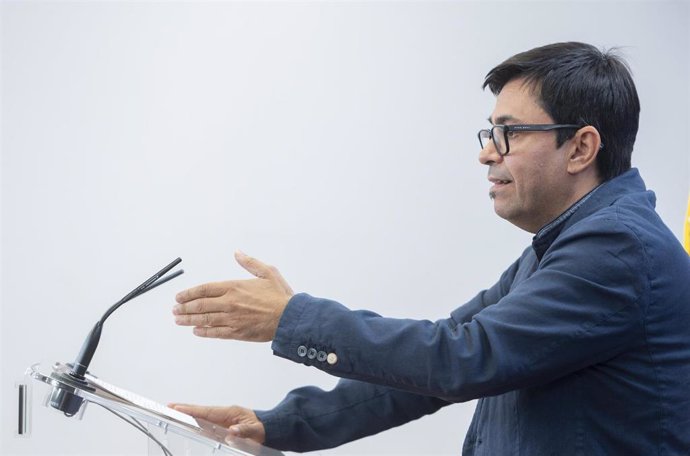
583,304
310,418
490,296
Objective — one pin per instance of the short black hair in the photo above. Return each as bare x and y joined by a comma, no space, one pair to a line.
576,83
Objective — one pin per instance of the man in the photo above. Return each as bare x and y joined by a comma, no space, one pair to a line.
581,348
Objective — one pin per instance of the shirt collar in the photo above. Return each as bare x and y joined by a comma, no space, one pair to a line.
601,196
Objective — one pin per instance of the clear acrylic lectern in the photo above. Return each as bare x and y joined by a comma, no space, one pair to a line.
170,432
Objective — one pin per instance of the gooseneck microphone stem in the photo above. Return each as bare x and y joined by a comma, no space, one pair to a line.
88,348
81,364
65,396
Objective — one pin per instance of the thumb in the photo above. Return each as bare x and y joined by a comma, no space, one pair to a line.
254,431
262,271
252,265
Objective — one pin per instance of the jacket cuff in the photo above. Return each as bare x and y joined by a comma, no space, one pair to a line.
275,427
303,335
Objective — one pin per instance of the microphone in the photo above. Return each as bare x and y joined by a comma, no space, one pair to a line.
64,396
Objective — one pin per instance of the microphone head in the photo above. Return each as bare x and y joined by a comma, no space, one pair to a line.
64,395
65,401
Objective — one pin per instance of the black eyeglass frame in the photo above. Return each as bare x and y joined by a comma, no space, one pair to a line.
517,127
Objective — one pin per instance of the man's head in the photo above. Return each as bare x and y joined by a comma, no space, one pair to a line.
544,172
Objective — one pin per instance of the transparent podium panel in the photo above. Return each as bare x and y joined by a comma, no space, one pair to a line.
169,432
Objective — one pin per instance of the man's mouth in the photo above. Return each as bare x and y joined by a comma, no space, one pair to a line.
499,182
497,185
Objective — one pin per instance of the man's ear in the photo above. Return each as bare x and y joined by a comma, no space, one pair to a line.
585,146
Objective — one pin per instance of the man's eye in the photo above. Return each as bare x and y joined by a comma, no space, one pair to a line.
512,133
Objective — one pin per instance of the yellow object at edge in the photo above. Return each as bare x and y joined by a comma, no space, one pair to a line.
686,229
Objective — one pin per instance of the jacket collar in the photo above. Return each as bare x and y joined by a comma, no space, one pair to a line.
602,196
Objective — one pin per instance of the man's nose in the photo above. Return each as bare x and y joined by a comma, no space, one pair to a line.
489,155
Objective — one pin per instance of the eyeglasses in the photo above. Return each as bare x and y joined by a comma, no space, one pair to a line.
500,134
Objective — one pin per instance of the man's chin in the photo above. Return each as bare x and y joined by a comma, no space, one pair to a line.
501,209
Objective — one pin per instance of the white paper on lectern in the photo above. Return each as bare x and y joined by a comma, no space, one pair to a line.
142,402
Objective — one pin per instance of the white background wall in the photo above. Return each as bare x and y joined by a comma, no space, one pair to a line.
334,140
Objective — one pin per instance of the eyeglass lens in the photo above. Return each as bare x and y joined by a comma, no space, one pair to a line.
496,133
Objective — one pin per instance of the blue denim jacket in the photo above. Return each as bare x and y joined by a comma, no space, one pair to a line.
581,348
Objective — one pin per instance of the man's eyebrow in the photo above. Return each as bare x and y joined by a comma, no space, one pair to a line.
501,120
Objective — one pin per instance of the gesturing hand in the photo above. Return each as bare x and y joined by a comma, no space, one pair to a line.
239,421
236,309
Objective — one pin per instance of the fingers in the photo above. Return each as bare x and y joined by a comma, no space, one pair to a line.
217,332
241,422
218,415
207,290
203,319
201,305
193,410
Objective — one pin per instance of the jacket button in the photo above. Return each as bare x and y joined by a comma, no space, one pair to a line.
311,354
321,356
332,358
301,351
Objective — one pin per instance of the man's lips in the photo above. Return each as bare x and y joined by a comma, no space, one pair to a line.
496,181
498,184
